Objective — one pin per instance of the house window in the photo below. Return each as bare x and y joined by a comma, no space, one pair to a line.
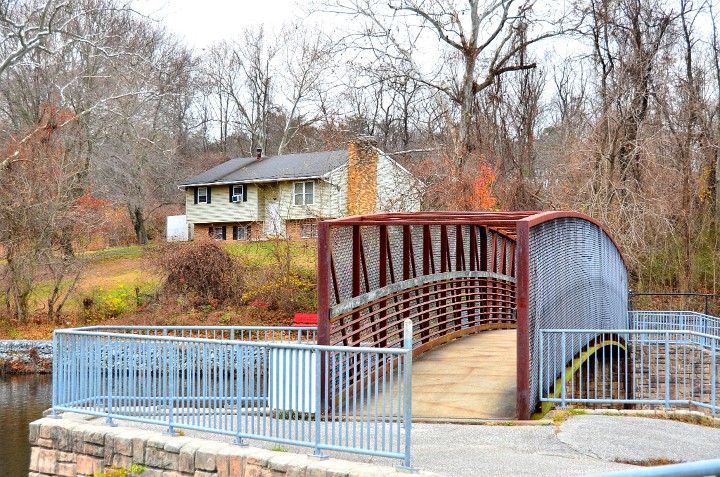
308,231
304,193
238,193
202,195
217,233
241,232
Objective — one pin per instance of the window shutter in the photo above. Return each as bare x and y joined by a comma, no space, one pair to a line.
224,235
196,193
208,194
235,232
231,192
244,192
210,231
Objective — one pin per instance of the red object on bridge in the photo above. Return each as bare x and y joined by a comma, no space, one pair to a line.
305,319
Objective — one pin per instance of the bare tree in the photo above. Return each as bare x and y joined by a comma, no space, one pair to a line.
37,206
479,42
308,65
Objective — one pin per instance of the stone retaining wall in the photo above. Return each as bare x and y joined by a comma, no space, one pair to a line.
25,356
689,367
74,447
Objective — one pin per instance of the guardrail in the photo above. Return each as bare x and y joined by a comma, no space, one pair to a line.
674,320
672,300
276,334
646,367
262,390
700,468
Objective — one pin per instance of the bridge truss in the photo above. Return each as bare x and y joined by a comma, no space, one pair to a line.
458,273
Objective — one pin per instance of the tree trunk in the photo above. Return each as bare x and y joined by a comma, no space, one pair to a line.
138,221
467,101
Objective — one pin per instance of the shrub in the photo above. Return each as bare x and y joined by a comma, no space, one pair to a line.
203,270
276,288
104,304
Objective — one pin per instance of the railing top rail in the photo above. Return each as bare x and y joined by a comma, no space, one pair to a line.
504,219
673,313
685,469
634,293
257,344
628,331
194,328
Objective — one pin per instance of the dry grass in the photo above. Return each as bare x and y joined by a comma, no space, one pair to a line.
651,462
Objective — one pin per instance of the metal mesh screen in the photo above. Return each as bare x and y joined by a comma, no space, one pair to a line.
341,239
577,280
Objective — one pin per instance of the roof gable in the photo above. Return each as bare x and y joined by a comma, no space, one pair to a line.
272,168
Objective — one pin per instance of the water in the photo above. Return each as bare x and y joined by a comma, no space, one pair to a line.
22,400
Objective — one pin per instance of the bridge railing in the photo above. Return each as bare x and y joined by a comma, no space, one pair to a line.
450,273
701,468
671,367
674,320
275,334
265,390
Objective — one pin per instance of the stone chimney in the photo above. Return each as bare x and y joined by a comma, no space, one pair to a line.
362,176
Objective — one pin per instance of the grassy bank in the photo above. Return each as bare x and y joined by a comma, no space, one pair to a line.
125,286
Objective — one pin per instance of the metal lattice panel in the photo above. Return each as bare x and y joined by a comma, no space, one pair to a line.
577,280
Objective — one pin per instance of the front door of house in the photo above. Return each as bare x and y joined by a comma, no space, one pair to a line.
273,221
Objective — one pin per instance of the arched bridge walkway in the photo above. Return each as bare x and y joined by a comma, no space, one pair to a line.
458,274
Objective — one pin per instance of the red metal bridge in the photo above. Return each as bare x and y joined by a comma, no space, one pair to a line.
456,274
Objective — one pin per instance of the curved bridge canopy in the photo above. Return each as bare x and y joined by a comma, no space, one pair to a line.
460,273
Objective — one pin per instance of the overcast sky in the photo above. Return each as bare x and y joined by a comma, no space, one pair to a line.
203,22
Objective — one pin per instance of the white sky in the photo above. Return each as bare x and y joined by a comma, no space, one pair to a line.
204,22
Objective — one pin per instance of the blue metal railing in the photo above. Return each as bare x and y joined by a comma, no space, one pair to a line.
674,320
285,389
667,367
275,334
700,468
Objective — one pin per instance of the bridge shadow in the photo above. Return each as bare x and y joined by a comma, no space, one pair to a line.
473,377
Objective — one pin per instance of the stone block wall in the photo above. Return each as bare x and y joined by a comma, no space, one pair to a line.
75,447
689,369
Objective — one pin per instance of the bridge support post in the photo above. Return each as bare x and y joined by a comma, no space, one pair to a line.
407,391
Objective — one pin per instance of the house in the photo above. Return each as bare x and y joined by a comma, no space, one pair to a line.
258,197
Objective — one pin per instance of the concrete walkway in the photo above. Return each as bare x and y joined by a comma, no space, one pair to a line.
473,377
581,445
584,444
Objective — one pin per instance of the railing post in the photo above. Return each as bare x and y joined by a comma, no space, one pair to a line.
542,365
563,389
110,383
319,356
240,352
171,390
713,377
407,390
667,370
56,373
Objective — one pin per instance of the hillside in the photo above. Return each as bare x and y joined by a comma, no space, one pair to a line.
125,285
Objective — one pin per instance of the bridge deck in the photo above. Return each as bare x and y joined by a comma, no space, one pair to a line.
471,377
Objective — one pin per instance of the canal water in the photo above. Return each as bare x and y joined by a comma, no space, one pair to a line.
22,400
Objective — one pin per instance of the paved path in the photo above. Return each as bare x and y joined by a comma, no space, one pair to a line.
585,444
581,445
471,377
